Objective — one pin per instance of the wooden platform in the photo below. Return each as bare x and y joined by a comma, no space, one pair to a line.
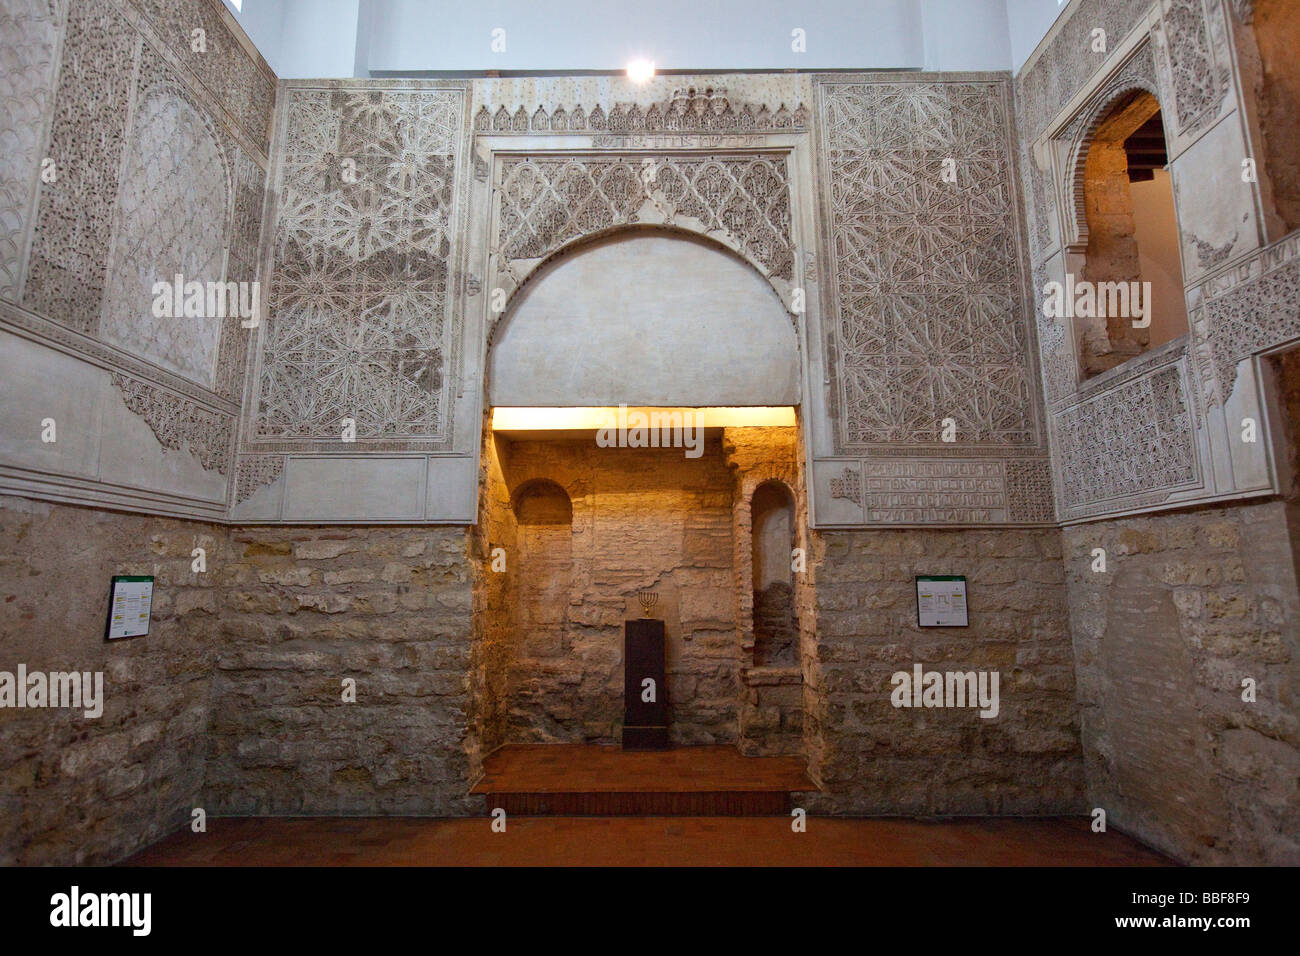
646,841
582,780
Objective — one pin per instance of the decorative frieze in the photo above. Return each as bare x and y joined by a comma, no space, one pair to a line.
178,424
254,472
688,110
930,491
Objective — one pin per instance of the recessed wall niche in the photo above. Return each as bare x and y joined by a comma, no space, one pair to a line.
776,626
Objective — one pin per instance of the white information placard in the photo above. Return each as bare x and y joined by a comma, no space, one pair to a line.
941,600
128,606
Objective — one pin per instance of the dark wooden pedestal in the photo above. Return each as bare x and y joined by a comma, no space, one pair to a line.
645,723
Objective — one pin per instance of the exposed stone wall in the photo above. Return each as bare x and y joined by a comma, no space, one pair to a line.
649,519
302,610
1274,80
871,757
494,609
1190,604
92,790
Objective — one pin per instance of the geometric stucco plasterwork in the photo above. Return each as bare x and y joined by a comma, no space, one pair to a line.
360,322
148,180
147,176
1192,38
254,472
1029,490
547,201
1137,72
1128,439
29,35
1188,34
927,286
1129,445
73,226
1250,308
241,266
1060,370
237,81
1069,59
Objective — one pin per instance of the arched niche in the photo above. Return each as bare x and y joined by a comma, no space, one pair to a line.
776,629
544,553
645,317
169,224
1131,251
542,502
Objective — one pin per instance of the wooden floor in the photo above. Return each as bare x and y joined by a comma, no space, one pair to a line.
647,841
574,768
577,780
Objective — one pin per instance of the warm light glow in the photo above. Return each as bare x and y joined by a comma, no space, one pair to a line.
638,71
591,418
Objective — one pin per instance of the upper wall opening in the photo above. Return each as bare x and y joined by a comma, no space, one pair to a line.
1132,261
645,318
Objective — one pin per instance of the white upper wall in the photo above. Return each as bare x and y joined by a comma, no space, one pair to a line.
308,39
303,39
566,35
1028,22
965,34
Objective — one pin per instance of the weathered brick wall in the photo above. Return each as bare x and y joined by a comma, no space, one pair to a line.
494,611
302,610
771,711
1190,604
874,758
80,790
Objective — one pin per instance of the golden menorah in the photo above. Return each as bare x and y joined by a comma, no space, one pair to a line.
648,599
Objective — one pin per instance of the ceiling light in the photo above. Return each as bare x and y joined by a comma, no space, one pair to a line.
638,71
